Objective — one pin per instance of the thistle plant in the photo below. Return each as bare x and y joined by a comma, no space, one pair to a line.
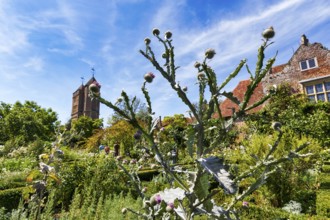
190,194
49,167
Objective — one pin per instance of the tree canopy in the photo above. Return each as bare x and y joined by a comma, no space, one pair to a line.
26,122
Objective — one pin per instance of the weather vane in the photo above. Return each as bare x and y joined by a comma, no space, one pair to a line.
82,80
93,71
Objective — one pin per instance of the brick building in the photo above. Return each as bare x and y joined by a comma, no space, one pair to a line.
308,71
82,104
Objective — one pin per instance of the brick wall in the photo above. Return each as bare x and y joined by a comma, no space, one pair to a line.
291,72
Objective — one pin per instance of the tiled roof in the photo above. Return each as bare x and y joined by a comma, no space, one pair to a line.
227,106
277,69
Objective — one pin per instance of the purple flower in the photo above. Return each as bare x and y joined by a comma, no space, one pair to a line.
170,207
245,204
158,199
155,199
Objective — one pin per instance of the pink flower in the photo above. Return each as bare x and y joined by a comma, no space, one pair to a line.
245,204
170,207
149,77
155,199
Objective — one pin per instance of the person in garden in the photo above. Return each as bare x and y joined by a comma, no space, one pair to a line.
116,149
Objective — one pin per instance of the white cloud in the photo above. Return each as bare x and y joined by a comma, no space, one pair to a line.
34,63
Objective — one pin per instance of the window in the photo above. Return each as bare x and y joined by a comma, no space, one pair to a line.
308,64
318,92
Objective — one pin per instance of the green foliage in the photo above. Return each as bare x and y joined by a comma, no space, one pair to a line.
83,128
26,122
322,204
297,113
99,172
120,132
9,198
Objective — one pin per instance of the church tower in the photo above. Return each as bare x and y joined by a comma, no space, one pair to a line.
82,104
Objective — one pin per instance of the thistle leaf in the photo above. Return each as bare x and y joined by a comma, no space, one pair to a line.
201,189
170,195
216,168
231,97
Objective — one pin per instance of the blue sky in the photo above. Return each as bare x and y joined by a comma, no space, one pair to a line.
47,46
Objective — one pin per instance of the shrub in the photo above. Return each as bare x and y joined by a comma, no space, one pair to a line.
322,203
10,198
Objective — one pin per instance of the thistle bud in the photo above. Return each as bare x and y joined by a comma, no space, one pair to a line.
169,207
94,88
197,65
155,199
147,41
164,55
276,126
201,76
209,53
268,33
149,77
155,31
168,35
124,211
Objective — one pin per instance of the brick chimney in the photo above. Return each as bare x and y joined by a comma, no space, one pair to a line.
303,40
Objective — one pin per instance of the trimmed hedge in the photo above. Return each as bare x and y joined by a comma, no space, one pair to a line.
325,181
147,175
10,198
322,203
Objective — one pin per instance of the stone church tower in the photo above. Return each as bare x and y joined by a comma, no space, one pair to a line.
82,104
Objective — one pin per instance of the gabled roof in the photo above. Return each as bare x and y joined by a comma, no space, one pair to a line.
227,106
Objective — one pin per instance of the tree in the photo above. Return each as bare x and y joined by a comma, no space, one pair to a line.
83,128
138,108
26,122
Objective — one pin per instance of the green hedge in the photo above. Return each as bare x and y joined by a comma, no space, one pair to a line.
11,185
326,168
147,175
325,181
323,203
9,198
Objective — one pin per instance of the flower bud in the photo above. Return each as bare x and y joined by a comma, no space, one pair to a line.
201,76
209,53
197,65
155,199
164,55
276,126
268,33
168,35
169,207
155,31
149,77
144,190
185,89
147,41
124,211
94,88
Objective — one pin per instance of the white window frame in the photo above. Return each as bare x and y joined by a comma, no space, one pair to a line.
308,65
315,93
